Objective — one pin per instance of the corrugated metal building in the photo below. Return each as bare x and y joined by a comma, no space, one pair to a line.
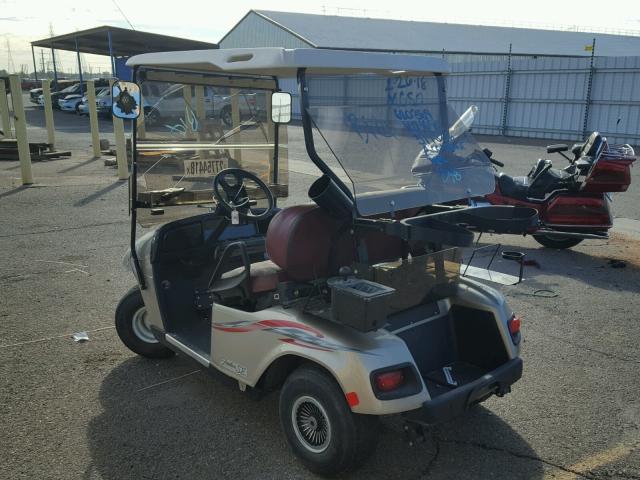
298,30
548,87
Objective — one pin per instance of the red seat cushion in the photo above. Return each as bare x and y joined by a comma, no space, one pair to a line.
307,243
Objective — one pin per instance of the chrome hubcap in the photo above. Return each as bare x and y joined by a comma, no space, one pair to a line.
141,326
311,424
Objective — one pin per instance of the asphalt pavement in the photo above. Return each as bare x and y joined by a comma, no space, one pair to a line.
94,410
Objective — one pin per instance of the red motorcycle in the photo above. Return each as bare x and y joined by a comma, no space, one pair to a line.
573,203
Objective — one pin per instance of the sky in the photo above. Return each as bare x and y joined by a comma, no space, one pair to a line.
23,21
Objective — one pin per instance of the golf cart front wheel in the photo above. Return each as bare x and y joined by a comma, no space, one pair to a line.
133,327
319,425
557,241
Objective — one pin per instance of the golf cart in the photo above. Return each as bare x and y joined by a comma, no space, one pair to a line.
351,302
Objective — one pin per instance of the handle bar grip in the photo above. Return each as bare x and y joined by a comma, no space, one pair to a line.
496,162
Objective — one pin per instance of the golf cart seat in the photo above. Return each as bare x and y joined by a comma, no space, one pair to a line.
305,243
298,245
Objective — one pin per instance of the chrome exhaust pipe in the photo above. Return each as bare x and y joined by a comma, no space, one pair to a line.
586,236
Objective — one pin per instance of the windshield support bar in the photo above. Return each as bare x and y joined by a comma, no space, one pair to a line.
133,188
444,111
308,135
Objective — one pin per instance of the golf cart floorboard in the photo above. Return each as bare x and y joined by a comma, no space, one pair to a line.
197,337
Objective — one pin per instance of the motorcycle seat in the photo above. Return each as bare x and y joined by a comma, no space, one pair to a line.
514,187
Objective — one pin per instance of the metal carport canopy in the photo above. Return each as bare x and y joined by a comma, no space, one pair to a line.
124,42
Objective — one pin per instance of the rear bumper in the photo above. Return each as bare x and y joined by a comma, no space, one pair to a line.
452,404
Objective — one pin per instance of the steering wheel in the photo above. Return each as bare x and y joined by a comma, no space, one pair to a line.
234,196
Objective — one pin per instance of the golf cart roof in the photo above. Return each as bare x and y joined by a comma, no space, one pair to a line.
285,62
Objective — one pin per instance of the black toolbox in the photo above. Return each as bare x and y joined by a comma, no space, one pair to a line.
360,304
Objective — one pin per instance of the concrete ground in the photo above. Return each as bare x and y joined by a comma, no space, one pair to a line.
95,410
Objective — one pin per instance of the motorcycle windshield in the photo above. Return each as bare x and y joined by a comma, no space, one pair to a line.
393,137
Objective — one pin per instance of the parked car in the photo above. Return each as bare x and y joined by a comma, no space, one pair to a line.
61,84
74,89
70,103
169,103
83,107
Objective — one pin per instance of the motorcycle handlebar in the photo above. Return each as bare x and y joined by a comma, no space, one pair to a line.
496,162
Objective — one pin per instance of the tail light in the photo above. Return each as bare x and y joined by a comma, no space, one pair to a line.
389,381
395,382
514,329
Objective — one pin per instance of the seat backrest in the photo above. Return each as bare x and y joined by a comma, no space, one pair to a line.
307,243
299,241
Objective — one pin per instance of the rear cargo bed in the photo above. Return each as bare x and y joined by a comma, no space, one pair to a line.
451,347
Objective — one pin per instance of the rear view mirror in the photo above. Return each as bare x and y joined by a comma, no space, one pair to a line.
125,100
280,107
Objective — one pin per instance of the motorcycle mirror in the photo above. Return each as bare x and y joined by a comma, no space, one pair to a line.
125,102
557,148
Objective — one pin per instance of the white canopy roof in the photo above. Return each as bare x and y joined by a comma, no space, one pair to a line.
285,62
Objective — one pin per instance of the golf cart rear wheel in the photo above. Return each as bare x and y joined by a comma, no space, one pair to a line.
557,241
133,327
319,425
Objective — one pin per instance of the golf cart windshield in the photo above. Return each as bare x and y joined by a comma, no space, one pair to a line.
398,142
194,126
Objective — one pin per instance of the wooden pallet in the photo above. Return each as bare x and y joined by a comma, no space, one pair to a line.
38,150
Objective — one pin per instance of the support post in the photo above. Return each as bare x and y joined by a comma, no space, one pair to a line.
235,120
507,94
271,131
79,67
113,61
55,69
21,130
140,125
201,117
4,111
188,111
35,67
93,118
200,109
121,146
48,114
587,101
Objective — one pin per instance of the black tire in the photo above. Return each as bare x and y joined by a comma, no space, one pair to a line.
312,395
226,117
128,317
558,242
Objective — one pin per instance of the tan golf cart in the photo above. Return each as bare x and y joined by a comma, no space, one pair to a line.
349,299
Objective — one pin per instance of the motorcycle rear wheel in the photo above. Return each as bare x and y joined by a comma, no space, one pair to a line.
557,241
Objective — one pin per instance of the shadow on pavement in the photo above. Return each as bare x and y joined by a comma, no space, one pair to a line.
103,191
14,191
200,427
79,165
593,269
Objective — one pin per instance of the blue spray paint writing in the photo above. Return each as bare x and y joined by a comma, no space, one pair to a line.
406,95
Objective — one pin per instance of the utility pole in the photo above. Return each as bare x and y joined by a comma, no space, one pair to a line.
10,65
